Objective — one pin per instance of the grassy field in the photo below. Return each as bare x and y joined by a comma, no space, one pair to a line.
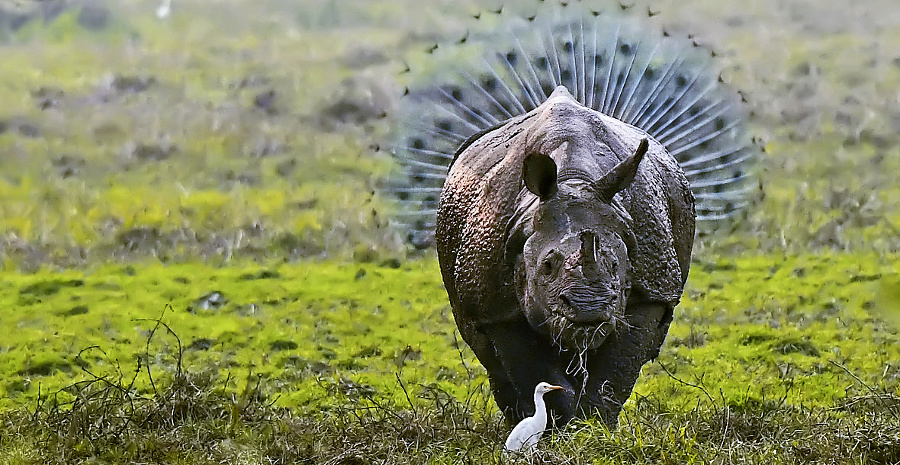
199,264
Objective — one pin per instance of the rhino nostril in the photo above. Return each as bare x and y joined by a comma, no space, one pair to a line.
568,307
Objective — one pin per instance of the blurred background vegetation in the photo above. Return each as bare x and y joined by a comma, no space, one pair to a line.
261,129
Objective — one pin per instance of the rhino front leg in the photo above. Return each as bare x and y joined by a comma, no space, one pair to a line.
517,359
614,368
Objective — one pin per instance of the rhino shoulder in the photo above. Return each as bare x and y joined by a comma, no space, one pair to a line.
479,198
661,206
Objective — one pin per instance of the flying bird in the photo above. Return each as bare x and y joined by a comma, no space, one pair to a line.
525,435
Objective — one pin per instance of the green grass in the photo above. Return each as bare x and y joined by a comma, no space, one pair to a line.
298,325
753,327
139,177
758,342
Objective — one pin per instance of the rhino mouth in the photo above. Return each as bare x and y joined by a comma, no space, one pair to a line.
579,336
581,318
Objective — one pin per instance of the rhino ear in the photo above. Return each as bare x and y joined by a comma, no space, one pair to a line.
621,175
539,174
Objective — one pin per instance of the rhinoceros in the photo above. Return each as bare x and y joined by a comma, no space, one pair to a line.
564,239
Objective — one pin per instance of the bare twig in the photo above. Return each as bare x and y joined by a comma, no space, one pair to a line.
695,386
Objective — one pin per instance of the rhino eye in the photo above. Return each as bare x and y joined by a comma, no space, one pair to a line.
548,264
547,267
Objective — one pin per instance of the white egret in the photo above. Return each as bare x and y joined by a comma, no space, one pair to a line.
525,435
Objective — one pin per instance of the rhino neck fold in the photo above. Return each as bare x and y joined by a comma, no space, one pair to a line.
577,138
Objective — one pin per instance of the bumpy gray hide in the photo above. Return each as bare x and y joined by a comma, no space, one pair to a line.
564,252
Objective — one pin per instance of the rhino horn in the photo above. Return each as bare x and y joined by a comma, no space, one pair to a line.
621,175
588,251
539,174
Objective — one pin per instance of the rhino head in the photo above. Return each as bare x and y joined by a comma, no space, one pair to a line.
573,278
